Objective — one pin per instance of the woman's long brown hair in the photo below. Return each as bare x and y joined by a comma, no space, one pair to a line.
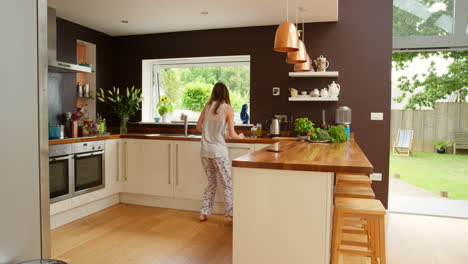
220,94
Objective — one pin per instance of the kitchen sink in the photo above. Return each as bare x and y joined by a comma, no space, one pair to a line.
174,135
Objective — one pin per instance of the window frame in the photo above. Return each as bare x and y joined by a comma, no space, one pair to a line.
458,39
150,83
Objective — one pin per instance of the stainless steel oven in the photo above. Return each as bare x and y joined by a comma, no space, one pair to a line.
61,171
89,172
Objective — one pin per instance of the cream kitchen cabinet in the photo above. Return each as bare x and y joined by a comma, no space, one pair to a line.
189,177
148,167
239,149
112,166
156,163
132,165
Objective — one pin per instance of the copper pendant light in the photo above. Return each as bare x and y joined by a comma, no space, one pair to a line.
307,65
299,56
303,67
286,39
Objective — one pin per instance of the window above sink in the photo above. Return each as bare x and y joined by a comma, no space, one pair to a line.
187,82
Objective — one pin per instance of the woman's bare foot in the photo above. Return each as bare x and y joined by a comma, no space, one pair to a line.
203,218
229,219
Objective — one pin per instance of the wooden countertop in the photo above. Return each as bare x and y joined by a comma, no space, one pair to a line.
305,156
152,136
82,139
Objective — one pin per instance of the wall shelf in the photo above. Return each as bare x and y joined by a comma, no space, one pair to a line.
314,74
313,99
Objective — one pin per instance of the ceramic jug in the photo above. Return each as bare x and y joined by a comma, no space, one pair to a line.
293,92
324,92
334,89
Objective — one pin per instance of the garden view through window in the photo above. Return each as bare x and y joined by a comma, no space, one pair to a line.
188,87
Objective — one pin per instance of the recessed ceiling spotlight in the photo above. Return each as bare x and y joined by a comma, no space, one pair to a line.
124,21
204,13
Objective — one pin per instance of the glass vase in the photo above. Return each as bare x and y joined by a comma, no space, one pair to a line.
123,124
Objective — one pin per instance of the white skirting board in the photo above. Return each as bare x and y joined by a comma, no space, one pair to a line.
74,214
168,202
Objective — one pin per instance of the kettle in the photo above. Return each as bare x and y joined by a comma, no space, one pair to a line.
273,127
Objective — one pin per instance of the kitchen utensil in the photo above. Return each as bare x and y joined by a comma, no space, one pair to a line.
324,122
54,132
253,132
62,132
315,93
324,92
343,115
273,126
334,90
321,63
259,130
80,90
86,91
293,92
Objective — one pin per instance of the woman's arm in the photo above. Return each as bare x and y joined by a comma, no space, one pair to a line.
200,120
230,123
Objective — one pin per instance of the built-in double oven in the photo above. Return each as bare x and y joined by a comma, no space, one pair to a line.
75,169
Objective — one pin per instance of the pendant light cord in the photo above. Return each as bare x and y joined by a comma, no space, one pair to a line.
287,10
303,28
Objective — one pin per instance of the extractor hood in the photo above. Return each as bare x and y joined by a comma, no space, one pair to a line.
54,65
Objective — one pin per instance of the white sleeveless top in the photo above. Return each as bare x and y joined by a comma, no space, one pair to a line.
213,144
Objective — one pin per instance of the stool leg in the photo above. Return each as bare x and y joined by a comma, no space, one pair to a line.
337,234
373,238
382,254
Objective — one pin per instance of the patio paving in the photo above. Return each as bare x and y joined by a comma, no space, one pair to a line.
410,199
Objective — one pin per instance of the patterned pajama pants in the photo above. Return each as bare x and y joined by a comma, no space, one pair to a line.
217,169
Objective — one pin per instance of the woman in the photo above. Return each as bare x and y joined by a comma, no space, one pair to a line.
216,114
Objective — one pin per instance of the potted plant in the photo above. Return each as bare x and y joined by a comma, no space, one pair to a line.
165,109
303,126
441,145
124,105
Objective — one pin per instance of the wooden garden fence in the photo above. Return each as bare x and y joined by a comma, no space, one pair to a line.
429,125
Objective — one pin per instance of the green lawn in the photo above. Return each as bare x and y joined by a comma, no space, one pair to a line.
434,172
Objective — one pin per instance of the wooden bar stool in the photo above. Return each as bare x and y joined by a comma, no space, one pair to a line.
370,215
354,192
353,180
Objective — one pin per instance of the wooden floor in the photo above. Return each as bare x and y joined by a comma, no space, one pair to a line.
131,234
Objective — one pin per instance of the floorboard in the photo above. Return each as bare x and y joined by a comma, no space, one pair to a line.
126,234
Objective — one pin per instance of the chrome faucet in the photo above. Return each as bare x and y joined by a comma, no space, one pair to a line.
185,125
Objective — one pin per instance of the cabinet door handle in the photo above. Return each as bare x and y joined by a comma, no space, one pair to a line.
169,167
125,163
118,161
177,164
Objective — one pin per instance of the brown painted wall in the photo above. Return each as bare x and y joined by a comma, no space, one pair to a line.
359,46
67,35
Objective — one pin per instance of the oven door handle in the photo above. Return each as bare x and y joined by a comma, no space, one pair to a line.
90,154
61,158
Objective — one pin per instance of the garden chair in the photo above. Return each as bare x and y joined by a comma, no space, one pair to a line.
460,141
403,143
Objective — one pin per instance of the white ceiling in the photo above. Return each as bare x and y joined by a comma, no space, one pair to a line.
157,16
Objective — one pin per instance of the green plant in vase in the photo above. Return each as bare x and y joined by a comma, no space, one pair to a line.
165,108
125,104
303,126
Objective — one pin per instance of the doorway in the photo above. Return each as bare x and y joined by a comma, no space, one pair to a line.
429,112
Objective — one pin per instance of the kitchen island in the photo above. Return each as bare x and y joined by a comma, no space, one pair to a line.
283,201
